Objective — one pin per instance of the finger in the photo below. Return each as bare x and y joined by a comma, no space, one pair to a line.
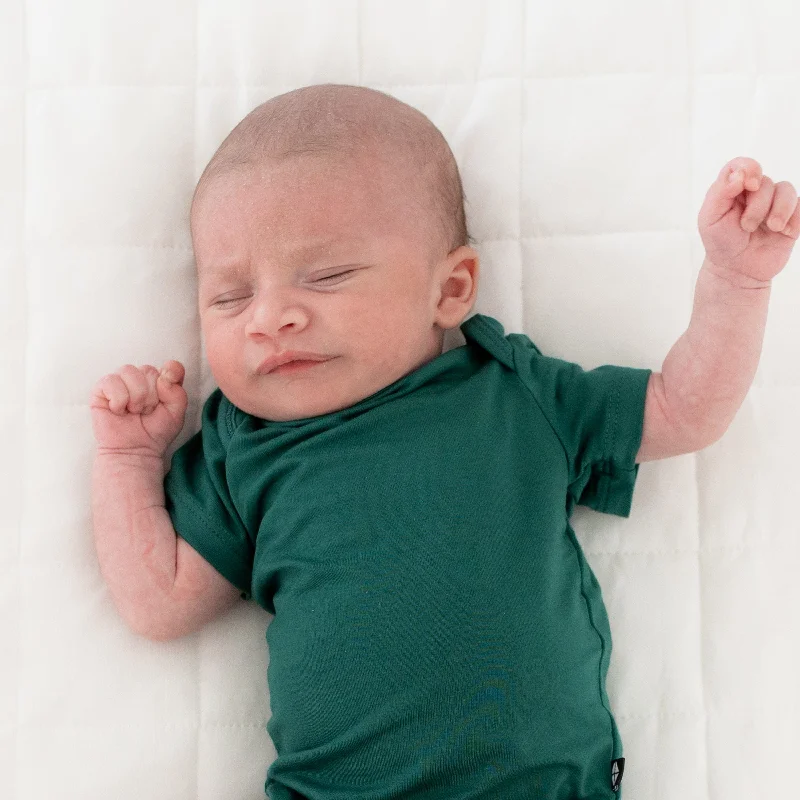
757,205
792,228
783,205
750,169
151,376
137,387
110,392
173,371
170,392
724,193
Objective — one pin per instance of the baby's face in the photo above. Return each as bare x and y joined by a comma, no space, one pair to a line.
322,260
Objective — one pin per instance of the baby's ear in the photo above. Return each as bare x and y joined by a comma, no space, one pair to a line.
457,281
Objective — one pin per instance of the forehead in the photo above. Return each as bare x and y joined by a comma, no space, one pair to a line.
293,253
305,208
278,193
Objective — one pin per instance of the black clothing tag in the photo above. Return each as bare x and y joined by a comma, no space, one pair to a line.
617,768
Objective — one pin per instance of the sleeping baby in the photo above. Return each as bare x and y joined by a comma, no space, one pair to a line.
403,508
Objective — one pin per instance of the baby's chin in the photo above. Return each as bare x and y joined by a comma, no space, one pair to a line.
328,387
299,411
293,399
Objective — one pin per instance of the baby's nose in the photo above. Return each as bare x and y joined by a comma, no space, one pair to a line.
274,315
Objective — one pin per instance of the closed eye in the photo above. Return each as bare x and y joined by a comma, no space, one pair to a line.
226,303
338,277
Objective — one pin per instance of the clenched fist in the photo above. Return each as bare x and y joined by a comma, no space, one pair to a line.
748,223
139,410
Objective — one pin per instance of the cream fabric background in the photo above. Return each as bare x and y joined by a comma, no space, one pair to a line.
588,134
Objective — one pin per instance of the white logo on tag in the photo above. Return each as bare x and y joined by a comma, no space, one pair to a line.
617,768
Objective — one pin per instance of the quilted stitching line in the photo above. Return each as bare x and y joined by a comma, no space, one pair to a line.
192,725
25,463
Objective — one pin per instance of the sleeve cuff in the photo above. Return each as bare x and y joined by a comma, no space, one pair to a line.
610,490
222,555
613,478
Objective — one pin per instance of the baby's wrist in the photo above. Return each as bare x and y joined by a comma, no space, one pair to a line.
734,278
138,459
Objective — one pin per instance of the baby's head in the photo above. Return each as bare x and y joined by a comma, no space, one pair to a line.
329,224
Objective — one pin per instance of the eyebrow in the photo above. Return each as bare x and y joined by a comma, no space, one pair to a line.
322,245
299,253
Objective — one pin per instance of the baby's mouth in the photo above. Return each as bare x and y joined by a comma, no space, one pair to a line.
291,361
297,365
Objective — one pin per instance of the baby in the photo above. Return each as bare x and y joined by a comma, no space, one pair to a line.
401,508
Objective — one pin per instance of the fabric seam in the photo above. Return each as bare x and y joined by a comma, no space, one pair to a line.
539,405
200,517
603,645
571,534
611,425
197,515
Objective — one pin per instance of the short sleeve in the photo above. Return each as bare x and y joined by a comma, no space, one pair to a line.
199,501
598,415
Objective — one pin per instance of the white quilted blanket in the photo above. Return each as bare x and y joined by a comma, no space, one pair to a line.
588,134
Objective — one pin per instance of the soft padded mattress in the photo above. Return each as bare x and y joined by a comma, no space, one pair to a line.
587,134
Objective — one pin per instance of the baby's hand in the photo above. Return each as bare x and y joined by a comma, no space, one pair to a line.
139,411
749,224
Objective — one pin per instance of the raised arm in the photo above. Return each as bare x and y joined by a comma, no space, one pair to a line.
162,587
749,226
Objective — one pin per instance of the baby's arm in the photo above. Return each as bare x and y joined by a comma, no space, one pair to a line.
708,372
161,586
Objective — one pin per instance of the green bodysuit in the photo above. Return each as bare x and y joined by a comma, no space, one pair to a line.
438,632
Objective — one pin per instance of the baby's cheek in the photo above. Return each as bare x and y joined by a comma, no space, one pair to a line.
222,357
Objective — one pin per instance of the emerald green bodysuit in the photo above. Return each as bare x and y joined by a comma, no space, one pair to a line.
437,631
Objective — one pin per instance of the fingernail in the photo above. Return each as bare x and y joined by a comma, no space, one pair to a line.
735,176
